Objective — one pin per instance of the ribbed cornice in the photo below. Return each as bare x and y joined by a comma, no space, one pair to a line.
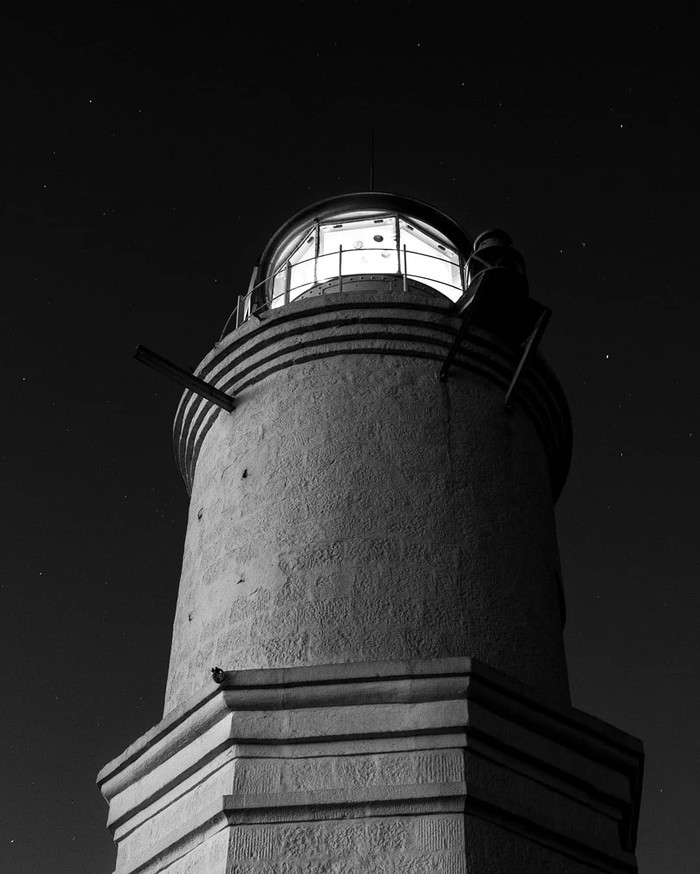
364,322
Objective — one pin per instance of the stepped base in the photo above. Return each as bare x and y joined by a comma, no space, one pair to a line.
434,766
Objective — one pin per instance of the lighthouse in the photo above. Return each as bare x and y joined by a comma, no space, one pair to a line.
367,671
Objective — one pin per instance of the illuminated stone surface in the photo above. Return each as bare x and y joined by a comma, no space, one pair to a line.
354,508
437,766
371,558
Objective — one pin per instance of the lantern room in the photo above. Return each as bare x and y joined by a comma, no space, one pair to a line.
382,236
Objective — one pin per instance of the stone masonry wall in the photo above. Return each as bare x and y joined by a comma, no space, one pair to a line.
354,508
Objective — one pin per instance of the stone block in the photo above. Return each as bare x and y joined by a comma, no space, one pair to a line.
440,766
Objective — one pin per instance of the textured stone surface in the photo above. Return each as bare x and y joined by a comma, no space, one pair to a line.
419,845
356,530
442,766
353,508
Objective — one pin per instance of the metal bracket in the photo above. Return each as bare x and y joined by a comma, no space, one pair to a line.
466,309
530,347
183,377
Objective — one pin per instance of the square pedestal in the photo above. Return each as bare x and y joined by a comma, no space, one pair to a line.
419,767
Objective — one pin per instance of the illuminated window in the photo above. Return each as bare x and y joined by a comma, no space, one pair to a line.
368,246
302,273
429,261
364,243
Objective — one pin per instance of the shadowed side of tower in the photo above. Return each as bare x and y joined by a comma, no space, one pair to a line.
371,560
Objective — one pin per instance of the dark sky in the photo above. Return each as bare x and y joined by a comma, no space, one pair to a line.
147,157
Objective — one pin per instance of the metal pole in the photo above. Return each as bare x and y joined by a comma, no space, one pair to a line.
287,281
466,310
183,377
405,268
530,347
340,267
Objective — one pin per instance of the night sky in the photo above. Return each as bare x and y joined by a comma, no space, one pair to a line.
147,157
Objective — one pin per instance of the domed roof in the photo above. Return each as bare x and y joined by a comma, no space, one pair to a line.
370,202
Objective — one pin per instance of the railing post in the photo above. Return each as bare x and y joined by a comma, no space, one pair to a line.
340,267
247,302
405,268
287,282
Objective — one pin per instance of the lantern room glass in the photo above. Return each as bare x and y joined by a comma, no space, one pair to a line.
429,261
366,244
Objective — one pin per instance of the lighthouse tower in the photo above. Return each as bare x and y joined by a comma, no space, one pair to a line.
367,670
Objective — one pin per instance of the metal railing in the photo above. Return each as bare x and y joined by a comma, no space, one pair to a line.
243,309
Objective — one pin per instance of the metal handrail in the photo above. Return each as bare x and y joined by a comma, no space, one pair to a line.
245,299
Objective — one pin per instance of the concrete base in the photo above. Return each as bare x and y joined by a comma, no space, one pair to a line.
421,767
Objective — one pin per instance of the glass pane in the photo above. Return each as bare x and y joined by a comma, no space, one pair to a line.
429,261
369,246
303,267
279,287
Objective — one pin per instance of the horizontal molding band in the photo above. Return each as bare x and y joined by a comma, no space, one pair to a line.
512,730
241,811
314,329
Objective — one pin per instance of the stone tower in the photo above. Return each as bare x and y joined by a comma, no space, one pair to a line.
371,568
